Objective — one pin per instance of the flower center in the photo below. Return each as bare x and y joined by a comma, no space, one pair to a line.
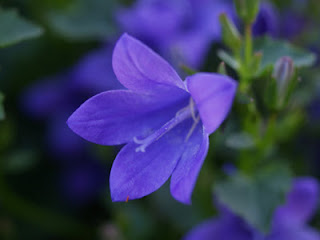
187,112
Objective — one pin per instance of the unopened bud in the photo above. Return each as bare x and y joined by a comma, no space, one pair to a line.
283,73
247,10
222,69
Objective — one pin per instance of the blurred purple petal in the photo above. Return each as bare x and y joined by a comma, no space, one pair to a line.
142,20
84,181
190,48
292,24
267,21
300,205
94,73
46,97
294,234
225,228
63,142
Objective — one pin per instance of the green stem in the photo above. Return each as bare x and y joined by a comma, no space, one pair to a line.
248,46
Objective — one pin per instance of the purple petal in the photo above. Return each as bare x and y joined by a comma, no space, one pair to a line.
206,16
84,181
94,73
185,174
137,174
295,234
190,48
213,95
301,204
267,21
116,117
226,228
138,68
64,143
142,19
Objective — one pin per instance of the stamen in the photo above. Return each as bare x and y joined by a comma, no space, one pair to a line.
181,115
193,127
192,107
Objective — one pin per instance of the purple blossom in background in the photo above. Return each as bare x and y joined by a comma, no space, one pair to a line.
53,100
292,24
163,121
289,220
181,30
267,21
83,180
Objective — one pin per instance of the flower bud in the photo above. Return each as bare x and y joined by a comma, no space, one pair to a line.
283,72
247,10
222,69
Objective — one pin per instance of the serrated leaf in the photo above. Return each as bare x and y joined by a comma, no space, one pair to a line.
14,28
255,198
2,114
273,49
83,20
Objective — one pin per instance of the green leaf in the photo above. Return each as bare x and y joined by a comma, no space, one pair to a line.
228,59
19,161
14,28
255,198
273,49
240,141
2,114
83,20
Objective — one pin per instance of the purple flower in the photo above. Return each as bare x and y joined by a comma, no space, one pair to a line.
83,181
181,30
267,21
289,220
293,24
54,98
163,121
93,73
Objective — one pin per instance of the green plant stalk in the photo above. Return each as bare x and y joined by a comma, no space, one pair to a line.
248,46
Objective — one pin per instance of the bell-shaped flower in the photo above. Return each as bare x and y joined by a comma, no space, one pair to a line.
164,122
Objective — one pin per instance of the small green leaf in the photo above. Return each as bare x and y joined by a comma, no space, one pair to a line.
272,50
19,161
2,114
228,59
14,28
255,198
83,20
240,141
230,35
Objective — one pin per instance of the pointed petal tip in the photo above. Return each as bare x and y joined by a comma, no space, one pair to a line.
186,201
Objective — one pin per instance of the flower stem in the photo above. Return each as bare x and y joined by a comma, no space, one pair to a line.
248,46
